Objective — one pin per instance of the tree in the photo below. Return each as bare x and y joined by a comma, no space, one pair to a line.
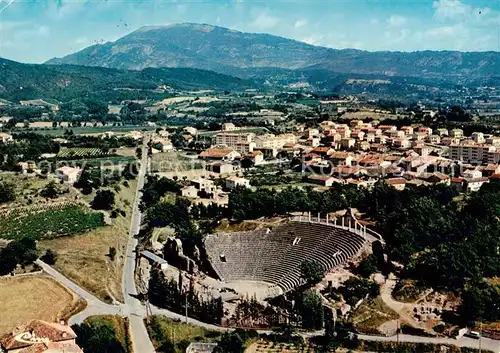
50,190
8,263
50,257
230,343
247,163
130,171
97,336
103,200
21,251
7,192
310,308
311,271
112,253
367,266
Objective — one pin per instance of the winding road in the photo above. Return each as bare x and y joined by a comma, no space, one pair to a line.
136,312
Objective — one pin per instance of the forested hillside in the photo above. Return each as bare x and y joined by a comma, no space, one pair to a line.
25,81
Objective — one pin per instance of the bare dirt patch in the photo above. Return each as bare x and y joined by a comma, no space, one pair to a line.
33,297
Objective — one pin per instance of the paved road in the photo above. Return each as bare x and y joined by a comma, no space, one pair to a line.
94,305
486,343
136,312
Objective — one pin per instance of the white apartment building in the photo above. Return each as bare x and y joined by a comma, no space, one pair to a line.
241,143
470,153
228,127
493,140
231,138
272,141
456,133
478,137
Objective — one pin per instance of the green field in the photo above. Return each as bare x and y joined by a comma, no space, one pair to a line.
40,223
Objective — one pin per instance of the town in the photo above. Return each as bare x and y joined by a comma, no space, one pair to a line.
214,191
282,177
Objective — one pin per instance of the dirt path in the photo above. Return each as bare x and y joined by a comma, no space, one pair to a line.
404,310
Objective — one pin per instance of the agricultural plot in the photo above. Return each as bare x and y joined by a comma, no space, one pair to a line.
174,162
34,297
84,258
80,152
48,222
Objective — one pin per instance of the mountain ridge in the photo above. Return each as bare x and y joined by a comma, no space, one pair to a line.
20,81
234,52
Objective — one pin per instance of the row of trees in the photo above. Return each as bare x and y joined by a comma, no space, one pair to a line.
170,294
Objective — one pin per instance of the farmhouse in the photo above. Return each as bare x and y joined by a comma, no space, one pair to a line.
220,168
323,180
40,336
68,174
220,153
234,181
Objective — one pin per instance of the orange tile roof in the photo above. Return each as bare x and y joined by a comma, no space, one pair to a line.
43,329
395,181
216,152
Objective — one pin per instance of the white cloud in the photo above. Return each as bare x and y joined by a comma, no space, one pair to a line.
374,21
264,21
300,23
443,32
450,9
397,21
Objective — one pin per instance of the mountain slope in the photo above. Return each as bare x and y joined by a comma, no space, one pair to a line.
63,82
237,53
200,46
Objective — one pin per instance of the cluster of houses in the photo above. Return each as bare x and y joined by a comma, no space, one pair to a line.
360,153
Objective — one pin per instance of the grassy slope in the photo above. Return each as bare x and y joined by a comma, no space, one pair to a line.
161,329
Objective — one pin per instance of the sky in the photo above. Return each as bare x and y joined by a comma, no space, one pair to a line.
36,30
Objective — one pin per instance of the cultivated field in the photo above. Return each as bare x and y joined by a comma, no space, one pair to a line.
84,257
48,221
65,152
32,297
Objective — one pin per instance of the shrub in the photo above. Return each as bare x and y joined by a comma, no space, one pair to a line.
49,257
112,253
